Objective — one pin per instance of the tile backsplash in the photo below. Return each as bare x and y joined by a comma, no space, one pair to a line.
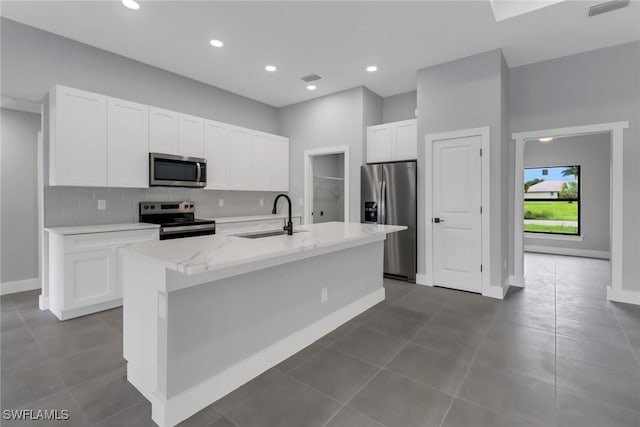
70,206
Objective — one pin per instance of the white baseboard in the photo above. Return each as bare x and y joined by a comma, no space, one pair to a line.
19,286
421,279
587,253
622,295
497,292
43,302
171,411
83,311
516,281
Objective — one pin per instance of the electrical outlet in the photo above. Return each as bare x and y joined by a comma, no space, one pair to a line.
220,202
102,205
261,202
325,295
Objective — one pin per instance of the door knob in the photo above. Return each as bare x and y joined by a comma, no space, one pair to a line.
438,220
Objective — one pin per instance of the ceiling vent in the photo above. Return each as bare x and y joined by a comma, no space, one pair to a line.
607,7
311,78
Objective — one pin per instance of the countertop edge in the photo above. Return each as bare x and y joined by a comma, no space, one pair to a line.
98,229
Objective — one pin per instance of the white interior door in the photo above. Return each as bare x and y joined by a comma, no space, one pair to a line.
456,217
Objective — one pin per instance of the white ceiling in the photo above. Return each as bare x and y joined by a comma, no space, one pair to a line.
336,40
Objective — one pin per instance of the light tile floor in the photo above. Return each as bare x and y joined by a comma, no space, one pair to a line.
553,354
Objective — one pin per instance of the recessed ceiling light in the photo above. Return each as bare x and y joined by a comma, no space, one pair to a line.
372,68
216,43
131,4
546,139
270,68
311,87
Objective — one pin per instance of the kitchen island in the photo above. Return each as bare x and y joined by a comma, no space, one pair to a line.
204,315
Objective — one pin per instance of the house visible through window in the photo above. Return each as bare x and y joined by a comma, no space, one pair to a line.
552,200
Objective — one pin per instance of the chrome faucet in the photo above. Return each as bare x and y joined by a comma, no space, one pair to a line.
288,227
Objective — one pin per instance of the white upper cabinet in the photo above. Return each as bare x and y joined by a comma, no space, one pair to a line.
392,141
100,141
240,158
190,136
216,152
405,140
163,131
77,138
127,144
279,163
378,144
260,161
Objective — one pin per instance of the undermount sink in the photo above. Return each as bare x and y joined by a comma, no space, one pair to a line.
262,234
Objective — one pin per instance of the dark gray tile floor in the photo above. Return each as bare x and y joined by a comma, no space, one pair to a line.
553,354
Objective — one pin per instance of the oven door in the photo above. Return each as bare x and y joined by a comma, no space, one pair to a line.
177,232
168,170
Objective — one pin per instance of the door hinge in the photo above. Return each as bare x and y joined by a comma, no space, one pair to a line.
481,268
480,209
481,152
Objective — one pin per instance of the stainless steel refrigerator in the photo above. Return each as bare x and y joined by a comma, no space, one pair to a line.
388,196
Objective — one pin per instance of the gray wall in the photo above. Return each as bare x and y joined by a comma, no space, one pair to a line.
462,94
592,87
328,121
19,226
33,61
593,154
399,107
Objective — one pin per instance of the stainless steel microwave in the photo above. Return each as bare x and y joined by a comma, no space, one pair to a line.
168,170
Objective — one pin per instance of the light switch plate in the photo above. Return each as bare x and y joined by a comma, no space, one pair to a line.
102,205
301,201
261,202
220,202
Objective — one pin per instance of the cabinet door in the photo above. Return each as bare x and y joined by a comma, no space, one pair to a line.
90,278
78,139
378,144
279,163
216,152
163,131
127,144
240,176
190,136
261,161
405,140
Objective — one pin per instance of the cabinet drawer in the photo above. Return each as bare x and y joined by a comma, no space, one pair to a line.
95,241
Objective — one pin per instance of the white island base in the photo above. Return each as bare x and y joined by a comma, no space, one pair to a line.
198,329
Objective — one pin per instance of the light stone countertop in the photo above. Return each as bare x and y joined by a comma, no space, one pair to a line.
216,252
101,228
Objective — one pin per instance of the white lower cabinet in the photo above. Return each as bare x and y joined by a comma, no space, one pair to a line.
90,278
84,271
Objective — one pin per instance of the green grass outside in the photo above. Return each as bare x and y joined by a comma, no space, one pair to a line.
556,211
550,229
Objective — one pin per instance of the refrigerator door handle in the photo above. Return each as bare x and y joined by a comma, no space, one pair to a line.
383,203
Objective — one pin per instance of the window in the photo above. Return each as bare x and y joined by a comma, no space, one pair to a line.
552,200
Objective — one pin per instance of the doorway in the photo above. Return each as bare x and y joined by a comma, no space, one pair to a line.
328,188
456,194
615,130
326,184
